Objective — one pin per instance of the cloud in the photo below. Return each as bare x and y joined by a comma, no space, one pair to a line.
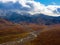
8,0
37,7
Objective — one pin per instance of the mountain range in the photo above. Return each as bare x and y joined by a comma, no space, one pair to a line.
14,12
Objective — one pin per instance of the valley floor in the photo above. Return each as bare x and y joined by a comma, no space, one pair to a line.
28,34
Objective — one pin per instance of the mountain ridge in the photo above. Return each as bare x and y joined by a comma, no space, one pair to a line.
38,19
16,13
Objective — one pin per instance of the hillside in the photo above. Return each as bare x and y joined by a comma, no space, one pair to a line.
10,31
14,32
50,36
29,22
28,18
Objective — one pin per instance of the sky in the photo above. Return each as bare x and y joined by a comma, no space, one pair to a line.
45,2
49,2
48,7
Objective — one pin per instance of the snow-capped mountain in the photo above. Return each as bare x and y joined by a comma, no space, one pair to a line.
29,6
16,12
28,18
